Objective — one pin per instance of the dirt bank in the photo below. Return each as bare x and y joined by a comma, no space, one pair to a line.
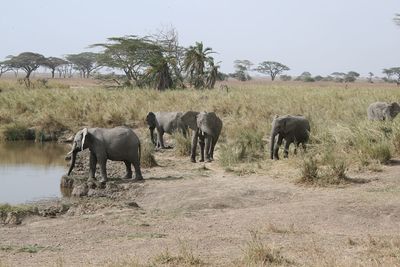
187,214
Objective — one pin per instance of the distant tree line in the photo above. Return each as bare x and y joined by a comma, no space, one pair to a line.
156,61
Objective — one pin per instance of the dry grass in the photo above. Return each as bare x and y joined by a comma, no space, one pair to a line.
257,253
338,115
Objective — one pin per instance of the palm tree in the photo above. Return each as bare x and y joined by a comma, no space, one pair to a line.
212,75
194,63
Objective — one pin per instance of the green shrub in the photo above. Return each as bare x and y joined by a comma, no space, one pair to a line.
16,132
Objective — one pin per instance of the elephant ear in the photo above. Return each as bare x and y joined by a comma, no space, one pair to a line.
84,137
189,118
151,120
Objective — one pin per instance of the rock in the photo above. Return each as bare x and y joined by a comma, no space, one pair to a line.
13,218
132,204
80,190
67,181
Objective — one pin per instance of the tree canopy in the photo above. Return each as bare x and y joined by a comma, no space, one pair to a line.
27,61
85,62
53,63
242,68
271,68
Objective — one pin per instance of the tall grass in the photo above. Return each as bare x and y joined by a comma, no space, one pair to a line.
338,115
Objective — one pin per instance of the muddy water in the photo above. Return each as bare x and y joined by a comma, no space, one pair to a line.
30,171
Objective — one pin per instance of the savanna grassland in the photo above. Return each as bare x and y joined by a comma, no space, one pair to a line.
335,205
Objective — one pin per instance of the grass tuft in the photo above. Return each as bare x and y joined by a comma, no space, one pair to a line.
182,145
147,159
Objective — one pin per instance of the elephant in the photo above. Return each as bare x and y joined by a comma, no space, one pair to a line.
294,129
116,144
165,122
383,111
206,128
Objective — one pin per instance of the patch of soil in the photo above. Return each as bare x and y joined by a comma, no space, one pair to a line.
212,215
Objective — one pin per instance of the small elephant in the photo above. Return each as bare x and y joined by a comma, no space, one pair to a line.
383,111
207,128
294,129
165,122
116,144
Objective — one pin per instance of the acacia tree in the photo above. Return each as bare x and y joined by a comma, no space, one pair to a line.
53,63
388,73
271,68
143,60
393,72
27,61
85,62
242,68
196,58
4,67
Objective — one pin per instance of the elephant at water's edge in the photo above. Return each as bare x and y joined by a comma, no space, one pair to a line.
206,128
292,129
116,144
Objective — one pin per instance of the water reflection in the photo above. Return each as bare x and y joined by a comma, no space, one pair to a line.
30,171
43,154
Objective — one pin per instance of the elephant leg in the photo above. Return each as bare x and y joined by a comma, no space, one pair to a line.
276,148
194,146
138,172
92,166
208,140
296,146
286,151
202,143
161,139
213,143
128,170
103,169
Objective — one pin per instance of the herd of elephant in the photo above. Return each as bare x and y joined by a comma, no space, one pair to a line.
122,144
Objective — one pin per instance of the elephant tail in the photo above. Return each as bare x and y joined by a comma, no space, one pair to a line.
140,151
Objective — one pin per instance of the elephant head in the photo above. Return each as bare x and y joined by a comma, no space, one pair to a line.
80,143
189,118
394,109
294,129
152,123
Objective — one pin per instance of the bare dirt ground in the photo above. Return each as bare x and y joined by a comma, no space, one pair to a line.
210,214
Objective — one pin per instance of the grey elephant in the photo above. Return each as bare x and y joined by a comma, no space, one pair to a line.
383,111
292,129
164,122
206,128
116,144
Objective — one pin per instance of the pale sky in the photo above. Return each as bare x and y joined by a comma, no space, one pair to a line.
319,36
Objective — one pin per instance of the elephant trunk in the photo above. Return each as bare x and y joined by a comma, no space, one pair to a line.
73,159
151,129
272,145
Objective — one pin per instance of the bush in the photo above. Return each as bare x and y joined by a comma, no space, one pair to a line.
16,132
309,171
246,146
147,159
256,253
182,144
